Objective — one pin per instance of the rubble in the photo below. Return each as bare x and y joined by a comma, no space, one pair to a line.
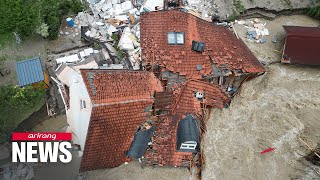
18,171
257,31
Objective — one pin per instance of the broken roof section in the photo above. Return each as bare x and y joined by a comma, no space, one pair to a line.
220,44
140,142
298,38
164,147
120,101
185,101
113,86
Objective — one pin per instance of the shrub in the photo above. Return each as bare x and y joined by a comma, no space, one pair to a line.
315,10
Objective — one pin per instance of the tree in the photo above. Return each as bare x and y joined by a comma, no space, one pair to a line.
14,98
315,10
26,16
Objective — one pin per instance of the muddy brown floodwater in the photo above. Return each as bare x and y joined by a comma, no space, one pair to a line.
271,111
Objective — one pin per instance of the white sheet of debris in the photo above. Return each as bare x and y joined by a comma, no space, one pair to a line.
126,40
68,59
152,4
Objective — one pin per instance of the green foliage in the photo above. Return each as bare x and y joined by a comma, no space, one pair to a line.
19,16
116,41
25,16
43,30
315,10
233,17
19,99
239,6
54,10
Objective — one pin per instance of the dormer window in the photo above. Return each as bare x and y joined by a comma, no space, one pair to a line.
175,38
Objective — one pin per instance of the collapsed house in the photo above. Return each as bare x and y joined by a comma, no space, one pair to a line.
76,98
157,114
180,43
301,45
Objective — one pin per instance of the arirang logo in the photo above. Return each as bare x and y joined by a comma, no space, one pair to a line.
27,150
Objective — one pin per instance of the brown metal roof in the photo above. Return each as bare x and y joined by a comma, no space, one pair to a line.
302,45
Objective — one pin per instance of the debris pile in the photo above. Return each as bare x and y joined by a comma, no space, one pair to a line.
257,31
115,26
18,171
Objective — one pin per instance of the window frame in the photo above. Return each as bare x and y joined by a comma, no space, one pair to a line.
83,104
188,145
175,34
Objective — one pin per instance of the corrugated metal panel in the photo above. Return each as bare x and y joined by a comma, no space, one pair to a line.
302,45
29,71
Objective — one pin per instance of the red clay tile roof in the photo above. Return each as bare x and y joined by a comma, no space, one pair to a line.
110,133
119,100
186,102
112,86
306,38
163,152
220,44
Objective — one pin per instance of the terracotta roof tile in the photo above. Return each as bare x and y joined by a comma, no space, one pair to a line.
186,102
119,100
219,40
163,152
111,86
110,133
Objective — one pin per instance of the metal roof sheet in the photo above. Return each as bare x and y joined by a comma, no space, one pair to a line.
140,142
302,31
188,131
29,71
302,45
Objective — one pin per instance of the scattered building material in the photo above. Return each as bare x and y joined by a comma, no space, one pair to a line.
68,59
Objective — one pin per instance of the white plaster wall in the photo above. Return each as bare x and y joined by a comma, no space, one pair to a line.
78,119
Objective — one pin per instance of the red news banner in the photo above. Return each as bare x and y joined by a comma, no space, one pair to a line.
43,136
41,147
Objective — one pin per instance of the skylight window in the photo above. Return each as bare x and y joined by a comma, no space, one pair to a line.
175,38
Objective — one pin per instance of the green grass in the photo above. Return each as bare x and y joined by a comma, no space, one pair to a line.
6,39
233,17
